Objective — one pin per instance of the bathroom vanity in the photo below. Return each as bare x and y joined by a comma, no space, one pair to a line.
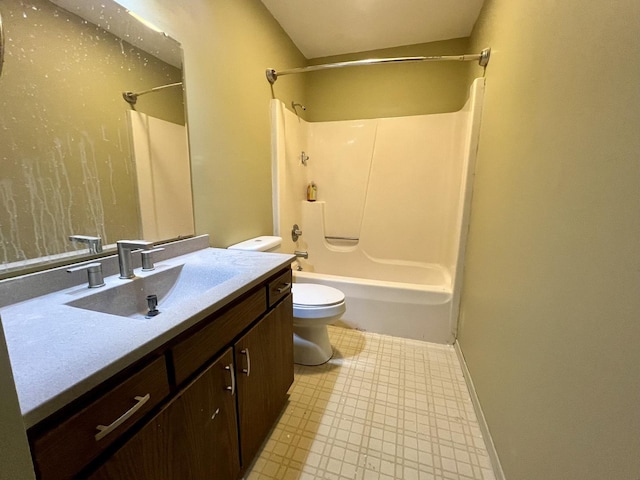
189,393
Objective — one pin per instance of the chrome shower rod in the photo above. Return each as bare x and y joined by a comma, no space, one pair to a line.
482,58
132,97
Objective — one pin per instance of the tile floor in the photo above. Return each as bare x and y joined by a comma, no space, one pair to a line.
383,408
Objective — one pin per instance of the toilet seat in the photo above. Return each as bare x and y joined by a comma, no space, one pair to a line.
316,301
310,294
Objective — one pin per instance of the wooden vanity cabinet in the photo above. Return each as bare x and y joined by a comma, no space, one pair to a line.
219,389
194,437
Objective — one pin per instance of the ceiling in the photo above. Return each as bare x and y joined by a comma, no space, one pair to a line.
321,28
114,18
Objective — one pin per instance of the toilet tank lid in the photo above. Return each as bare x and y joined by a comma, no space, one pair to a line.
259,244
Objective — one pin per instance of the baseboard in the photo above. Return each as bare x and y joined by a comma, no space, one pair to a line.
484,428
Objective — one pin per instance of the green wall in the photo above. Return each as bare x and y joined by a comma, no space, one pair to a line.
388,90
550,310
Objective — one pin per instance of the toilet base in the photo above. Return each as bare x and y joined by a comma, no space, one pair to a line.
311,345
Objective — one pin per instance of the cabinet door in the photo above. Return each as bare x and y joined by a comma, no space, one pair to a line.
264,365
194,437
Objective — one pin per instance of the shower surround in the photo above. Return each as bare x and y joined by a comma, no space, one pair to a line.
389,225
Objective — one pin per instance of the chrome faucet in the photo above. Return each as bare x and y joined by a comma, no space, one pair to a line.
147,259
124,255
95,243
94,274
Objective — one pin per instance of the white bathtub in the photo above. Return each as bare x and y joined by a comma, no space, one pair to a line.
402,298
389,224
409,310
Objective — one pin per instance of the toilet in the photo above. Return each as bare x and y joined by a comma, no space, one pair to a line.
314,307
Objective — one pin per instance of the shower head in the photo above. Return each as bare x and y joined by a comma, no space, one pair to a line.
294,105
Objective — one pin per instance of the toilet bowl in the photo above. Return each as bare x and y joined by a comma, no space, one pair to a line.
314,307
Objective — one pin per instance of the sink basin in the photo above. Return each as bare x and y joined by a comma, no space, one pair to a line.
172,286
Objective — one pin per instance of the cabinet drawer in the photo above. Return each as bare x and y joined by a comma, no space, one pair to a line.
194,437
279,287
192,353
65,449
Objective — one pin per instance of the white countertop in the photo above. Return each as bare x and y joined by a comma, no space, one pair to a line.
59,352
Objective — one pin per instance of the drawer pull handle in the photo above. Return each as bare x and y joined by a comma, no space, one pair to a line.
232,388
285,287
246,371
103,430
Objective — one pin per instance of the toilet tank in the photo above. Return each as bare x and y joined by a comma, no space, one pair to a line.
264,243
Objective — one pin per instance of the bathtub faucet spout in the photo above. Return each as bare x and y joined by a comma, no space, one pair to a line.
301,254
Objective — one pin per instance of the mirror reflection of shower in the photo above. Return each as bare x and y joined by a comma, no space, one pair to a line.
69,161
160,153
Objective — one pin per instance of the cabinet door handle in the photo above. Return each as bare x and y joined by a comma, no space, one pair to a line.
285,287
246,371
103,430
232,388
215,413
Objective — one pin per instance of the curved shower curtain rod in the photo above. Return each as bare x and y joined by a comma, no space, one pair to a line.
132,97
482,57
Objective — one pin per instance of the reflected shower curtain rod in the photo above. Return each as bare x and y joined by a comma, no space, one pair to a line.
132,97
482,57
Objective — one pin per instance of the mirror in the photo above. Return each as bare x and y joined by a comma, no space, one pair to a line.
69,162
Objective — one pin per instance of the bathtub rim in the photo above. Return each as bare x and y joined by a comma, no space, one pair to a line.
395,292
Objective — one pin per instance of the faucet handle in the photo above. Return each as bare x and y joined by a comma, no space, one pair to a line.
94,274
95,243
295,232
134,244
147,258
